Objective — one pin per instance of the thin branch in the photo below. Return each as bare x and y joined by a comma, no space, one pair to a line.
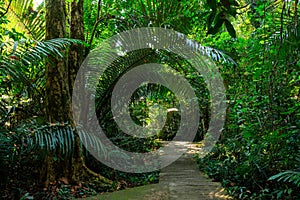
6,11
296,15
96,25
99,9
281,23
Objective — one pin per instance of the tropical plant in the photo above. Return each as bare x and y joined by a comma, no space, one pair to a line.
287,177
26,17
218,14
23,77
255,44
260,137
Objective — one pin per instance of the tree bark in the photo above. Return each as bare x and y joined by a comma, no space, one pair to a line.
60,76
57,88
58,101
75,59
76,52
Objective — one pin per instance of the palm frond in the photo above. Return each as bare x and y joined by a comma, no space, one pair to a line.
91,142
122,64
23,68
52,138
33,140
31,53
287,177
117,69
30,19
61,138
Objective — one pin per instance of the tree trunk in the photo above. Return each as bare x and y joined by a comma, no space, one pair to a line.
58,100
60,78
75,59
76,53
57,88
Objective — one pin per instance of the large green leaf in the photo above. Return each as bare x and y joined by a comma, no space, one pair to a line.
230,28
215,29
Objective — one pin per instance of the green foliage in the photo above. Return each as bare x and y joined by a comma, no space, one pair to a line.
54,138
219,13
27,19
145,107
22,76
261,135
257,54
287,176
149,95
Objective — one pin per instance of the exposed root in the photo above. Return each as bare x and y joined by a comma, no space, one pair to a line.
99,180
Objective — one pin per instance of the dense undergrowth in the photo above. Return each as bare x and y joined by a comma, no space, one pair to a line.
22,152
257,156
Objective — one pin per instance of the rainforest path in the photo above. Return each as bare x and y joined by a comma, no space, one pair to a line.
181,180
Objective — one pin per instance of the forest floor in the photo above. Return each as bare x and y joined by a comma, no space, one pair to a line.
180,180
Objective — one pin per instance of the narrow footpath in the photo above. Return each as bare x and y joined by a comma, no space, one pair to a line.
184,180
181,180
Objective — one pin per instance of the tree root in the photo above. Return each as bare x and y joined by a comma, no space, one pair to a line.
99,180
